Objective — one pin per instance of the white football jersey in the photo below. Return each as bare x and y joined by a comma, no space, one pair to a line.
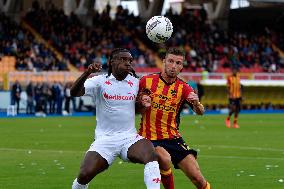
115,104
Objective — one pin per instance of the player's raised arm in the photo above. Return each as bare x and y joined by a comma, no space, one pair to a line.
78,88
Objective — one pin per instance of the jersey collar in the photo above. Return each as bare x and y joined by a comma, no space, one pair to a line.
128,77
160,76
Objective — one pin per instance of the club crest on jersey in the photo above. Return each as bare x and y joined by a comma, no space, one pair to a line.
130,83
108,82
173,92
157,180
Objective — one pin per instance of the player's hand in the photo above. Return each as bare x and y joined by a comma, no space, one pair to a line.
193,98
93,68
146,101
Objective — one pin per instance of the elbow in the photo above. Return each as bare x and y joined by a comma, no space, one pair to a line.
72,93
75,93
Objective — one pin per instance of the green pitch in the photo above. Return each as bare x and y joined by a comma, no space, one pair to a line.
45,153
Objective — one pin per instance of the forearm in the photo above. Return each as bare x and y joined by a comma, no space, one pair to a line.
78,88
198,108
139,108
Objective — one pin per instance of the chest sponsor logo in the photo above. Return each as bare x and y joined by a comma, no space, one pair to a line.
119,97
166,99
163,107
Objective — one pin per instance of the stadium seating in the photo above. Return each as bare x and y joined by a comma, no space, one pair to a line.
207,47
57,43
7,64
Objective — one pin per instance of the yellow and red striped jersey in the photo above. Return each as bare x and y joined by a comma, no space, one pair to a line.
234,86
159,121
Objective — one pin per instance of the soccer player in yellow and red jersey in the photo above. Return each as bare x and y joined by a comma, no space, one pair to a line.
235,97
159,122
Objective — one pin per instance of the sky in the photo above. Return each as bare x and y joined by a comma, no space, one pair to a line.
132,5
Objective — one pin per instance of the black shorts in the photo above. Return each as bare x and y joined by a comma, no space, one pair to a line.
177,148
235,102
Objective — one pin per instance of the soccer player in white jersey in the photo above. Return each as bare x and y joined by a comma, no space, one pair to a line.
115,95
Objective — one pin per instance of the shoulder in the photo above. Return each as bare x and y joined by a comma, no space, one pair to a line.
97,77
145,78
132,79
153,75
185,86
181,81
95,80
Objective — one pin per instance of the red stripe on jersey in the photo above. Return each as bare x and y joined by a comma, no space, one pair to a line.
158,121
169,120
160,112
142,85
147,129
154,86
171,115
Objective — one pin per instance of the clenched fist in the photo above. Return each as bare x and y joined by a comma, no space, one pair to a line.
93,68
145,101
193,98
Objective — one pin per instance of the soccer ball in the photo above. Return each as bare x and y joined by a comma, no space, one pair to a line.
159,29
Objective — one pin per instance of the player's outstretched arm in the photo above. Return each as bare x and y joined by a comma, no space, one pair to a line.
78,88
197,106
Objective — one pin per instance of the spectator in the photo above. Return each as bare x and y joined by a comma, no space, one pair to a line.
30,98
67,97
16,95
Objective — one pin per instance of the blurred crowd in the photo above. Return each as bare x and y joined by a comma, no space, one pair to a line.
44,98
210,48
207,46
31,55
80,44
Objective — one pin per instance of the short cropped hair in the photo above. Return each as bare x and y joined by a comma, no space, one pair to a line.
175,51
116,51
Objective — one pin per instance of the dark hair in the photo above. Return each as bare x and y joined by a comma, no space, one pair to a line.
175,51
235,68
112,54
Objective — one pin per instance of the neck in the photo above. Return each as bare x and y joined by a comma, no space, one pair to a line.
168,79
119,77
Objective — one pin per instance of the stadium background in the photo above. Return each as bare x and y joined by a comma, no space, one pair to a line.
49,43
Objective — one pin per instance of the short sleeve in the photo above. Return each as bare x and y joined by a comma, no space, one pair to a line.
186,90
91,85
142,83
